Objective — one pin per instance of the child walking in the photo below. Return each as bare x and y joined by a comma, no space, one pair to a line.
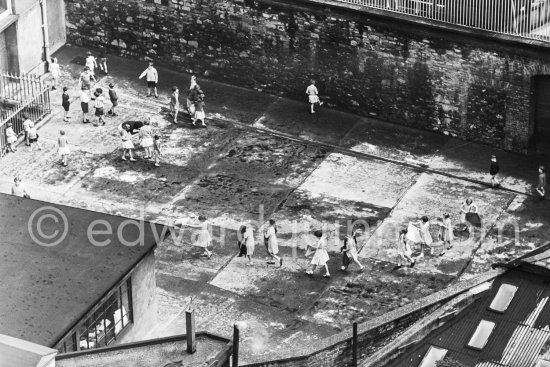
321,255
248,241
102,60
156,150
11,137
446,232
113,96
146,138
127,144
313,96
66,103
99,104
349,251
203,238
270,236
91,62
33,138
175,103
199,113
63,143
85,106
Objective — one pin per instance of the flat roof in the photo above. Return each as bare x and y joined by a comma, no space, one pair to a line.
170,351
47,287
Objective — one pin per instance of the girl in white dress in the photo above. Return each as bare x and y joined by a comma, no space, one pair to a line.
321,255
248,241
127,144
146,138
426,240
270,237
55,71
202,237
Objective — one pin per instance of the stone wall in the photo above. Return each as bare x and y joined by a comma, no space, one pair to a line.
474,89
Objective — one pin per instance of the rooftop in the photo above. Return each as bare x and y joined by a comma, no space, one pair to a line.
47,288
150,353
509,326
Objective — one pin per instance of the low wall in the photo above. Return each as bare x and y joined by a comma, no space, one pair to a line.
475,89
373,334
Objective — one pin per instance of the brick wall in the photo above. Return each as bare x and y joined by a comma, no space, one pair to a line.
459,86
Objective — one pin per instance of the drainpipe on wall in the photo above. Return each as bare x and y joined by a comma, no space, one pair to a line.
45,36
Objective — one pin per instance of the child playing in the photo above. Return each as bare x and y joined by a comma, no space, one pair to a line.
91,62
127,144
349,251
66,103
175,103
102,58
313,96
55,71
199,113
112,96
33,138
446,232
27,124
99,104
156,150
84,104
11,137
404,251
63,143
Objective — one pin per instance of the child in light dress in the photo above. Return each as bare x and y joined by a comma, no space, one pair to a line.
270,237
55,72
202,238
127,145
248,241
320,258
63,143
199,113
33,138
446,232
146,138
11,137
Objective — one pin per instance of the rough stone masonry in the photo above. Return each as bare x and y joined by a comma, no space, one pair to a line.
471,88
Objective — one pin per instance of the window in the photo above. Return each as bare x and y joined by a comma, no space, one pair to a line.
503,297
433,355
481,335
543,363
102,326
5,6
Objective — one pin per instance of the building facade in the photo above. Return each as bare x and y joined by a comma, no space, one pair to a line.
30,30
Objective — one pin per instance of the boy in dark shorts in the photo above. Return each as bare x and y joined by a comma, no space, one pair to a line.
114,99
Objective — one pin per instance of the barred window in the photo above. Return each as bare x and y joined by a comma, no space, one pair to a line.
102,325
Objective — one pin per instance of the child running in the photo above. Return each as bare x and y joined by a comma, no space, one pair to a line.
350,251
63,143
66,103
313,96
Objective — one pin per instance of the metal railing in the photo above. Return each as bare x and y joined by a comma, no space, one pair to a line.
21,95
522,18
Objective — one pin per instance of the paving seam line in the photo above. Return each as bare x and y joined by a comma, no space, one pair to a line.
356,154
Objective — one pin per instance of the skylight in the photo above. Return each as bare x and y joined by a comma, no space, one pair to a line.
482,334
503,297
434,354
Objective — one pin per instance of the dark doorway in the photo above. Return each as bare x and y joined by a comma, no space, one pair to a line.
541,136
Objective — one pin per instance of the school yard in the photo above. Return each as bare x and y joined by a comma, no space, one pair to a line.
264,157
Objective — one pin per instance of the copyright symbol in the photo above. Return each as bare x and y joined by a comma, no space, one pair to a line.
48,226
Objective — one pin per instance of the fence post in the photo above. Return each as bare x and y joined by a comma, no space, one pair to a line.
354,345
235,356
190,331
